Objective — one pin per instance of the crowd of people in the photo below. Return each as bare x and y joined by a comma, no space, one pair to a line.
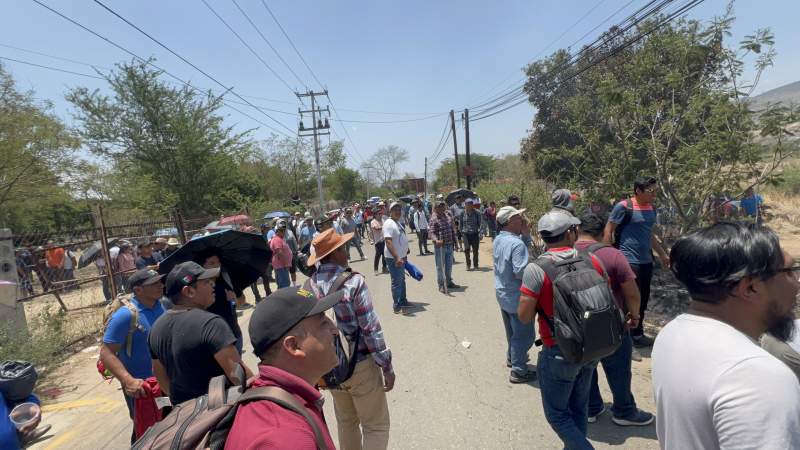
715,386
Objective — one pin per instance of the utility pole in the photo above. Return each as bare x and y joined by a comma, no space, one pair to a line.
455,147
426,178
317,125
468,167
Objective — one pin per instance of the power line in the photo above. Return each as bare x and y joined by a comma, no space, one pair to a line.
680,11
264,38
73,61
139,58
518,96
227,89
97,77
241,39
286,35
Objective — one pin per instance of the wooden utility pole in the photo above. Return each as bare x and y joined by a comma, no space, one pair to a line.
468,172
455,146
112,285
316,126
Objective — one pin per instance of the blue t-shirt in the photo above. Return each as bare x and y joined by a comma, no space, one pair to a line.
9,439
750,204
139,364
634,241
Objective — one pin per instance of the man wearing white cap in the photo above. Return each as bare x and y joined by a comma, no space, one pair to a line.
510,256
394,254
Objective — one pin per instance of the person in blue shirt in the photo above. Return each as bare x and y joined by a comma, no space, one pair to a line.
510,255
636,241
10,437
751,204
132,367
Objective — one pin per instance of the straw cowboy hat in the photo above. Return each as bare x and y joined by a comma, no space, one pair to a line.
325,243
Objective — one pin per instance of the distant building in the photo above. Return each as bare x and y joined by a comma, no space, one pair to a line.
411,185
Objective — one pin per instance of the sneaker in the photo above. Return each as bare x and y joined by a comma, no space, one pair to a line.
593,418
469,269
638,419
397,310
518,378
635,355
441,289
452,285
642,341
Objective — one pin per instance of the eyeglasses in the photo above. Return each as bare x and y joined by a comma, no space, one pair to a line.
794,271
651,190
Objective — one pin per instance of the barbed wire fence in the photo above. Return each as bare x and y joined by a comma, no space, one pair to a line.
68,270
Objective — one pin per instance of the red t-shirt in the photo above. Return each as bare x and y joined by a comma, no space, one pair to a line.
617,267
536,284
261,425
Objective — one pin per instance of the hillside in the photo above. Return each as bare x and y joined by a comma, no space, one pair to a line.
786,94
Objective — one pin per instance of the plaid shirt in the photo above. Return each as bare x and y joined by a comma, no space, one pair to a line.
442,228
355,310
470,222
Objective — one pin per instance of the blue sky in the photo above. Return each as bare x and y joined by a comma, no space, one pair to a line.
417,58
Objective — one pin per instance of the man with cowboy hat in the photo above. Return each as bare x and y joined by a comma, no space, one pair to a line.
362,411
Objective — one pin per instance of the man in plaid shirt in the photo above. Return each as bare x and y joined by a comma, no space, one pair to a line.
362,411
443,231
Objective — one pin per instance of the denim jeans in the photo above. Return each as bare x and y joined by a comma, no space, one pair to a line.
398,275
644,274
282,277
617,367
520,339
422,241
565,396
354,242
444,257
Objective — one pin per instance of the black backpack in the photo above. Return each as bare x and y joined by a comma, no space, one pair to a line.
587,325
346,348
626,219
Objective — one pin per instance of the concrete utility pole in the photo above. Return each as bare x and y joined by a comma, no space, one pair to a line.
455,146
316,125
425,193
468,167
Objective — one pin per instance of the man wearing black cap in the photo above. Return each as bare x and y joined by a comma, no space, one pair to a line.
190,345
294,339
124,351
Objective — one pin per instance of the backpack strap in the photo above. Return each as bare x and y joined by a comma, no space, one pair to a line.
286,400
133,325
550,269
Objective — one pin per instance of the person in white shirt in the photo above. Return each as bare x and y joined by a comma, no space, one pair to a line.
715,388
420,221
394,253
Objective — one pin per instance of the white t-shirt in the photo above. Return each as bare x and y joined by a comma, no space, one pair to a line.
795,341
420,220
68,259
717,389
398,236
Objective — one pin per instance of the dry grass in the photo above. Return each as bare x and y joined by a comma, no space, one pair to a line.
783,216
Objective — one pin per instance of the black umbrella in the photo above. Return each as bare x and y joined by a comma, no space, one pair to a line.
92,252
244,256
408,198
466,193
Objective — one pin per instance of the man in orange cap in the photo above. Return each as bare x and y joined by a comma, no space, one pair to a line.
362,412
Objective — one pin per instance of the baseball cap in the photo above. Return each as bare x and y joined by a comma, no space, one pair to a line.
562,198
173,241
322,219
506,213
144,277
161,240
281,224
281,311
469,201
556,222
186,273
394,204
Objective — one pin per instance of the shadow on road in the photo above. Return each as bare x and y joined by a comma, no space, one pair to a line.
604,430
414,307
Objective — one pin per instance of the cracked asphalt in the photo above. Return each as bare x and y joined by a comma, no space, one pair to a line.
448,395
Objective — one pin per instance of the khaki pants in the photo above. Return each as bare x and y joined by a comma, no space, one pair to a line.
362,401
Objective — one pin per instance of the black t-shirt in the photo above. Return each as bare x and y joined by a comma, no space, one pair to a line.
185,342
224,308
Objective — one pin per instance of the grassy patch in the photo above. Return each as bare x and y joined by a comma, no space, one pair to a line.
43,344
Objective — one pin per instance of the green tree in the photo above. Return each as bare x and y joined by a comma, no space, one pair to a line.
37,162
671,105
445,174
171,140
343,184
333,157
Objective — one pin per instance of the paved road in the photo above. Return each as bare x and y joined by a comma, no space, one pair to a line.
448,395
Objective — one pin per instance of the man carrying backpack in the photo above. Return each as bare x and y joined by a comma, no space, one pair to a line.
124,351
359,399
570,293
293,338
616,366
630,228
